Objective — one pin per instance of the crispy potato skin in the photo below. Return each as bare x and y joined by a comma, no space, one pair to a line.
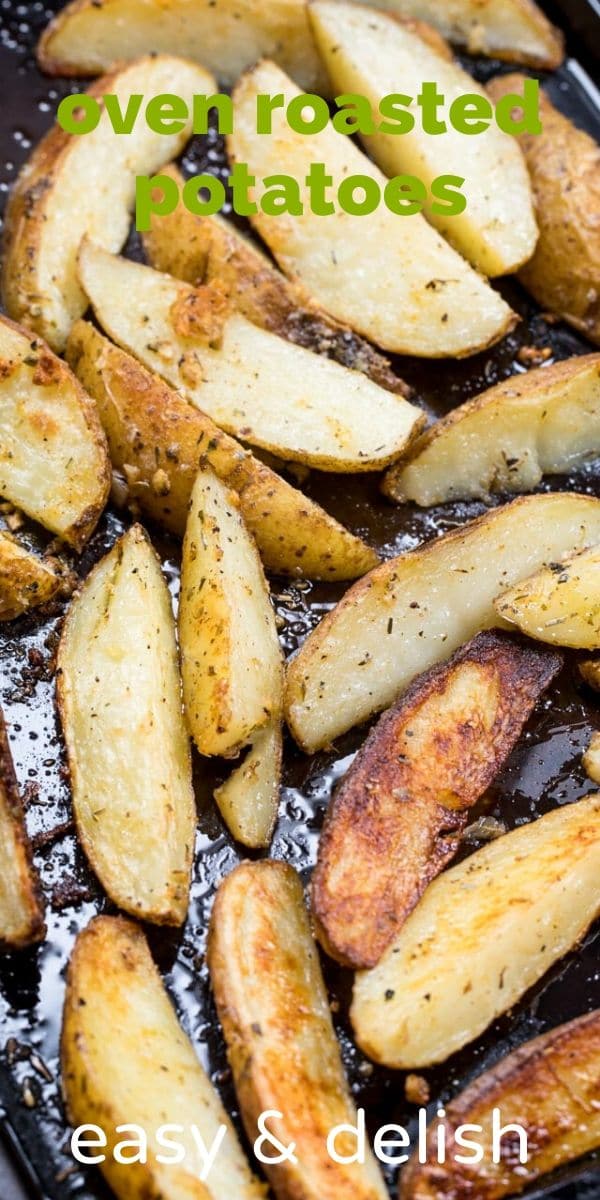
549,1086
273,1007
396,818
564,166
21,901
199,250
161,440
25,580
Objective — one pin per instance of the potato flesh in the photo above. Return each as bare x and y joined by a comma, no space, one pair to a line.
296,404
231,660
545,422
21,909
561,604
77,185
282,1048
25,580
159,440
226,37
371,272
249,798
515,30
591,758
366,53
120,703
126,1060
415,610
410,788
484,932
549,1084
53,458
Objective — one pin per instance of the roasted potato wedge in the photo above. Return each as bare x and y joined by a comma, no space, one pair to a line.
589,669
559,604
366,53
544,422
564,166
298,405
415,610
54,461
396,818
204,249
395,281
591,758
87,38
159,440
512,30
119,697
126,1060
231,660
249,798
484,932
274,1010
21,905
549,1086
74,185
26,581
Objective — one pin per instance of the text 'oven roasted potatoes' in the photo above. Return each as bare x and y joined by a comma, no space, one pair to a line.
226,36
249,799
126,1061
231,661
560,604
483,933
416,609
545,422
296,404
514,30
119,696
366,53
393,279
564,167
54,462
21,906
396,818
158,440
281,1044
76,184
548,1087
26,581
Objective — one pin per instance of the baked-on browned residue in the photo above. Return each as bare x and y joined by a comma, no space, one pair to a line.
397,816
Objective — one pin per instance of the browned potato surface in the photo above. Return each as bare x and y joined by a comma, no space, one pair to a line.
549,1086
564,164
21,906
26,581
395,820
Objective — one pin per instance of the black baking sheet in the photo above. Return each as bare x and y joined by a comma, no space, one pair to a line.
545,769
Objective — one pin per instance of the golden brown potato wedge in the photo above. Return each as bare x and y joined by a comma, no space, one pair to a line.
564,166
21,905
366,53
284,1055
119,696
394,280
26,581
559,604
513,30
484,932
589,669
545,422
231,660
591,758
54,461
203,249
73,185
249,798
396,818
126,1061
549,1086
159,440
298,405
415,610
87,38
